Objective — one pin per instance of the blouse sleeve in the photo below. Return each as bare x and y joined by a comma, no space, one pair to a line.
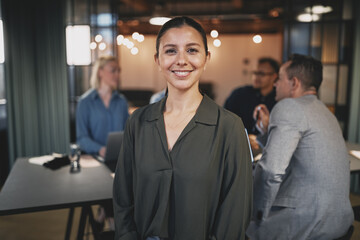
123,199
234,211
87,144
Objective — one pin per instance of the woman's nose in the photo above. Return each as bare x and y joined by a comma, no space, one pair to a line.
182,59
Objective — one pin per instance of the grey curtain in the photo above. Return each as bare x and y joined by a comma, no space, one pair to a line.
35,77
354,124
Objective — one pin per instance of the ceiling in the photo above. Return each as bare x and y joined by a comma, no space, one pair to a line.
227,16
231,16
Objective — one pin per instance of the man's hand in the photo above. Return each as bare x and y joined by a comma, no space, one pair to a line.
261,114
253,143
102,152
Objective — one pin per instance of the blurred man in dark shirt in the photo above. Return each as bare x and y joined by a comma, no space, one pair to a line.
243,100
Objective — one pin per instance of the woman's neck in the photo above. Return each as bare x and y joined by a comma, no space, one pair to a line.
187,101
104,90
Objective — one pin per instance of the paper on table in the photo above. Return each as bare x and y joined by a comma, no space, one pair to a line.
355,153
87,161
41,160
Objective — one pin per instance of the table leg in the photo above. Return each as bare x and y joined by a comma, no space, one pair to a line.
92,224
84,213
69,223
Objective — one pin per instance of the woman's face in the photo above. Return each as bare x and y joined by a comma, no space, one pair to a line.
182,57
109,74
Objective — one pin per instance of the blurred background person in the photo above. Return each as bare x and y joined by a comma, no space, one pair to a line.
302,181
157,96
102,109
243,100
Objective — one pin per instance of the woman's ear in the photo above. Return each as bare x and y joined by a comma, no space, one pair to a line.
208,56
156,59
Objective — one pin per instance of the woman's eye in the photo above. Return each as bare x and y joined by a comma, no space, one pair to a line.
192,50
170,51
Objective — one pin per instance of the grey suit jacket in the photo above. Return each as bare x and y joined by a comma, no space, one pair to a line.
301,183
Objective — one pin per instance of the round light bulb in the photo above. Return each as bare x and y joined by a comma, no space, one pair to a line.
217,43
214,34
98,38
135,35
102,46
257,39
120,39
93,45
141,38
134,51
130,45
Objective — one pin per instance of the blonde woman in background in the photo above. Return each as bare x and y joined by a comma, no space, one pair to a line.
102,109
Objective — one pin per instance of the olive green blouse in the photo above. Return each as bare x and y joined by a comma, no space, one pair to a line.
201,189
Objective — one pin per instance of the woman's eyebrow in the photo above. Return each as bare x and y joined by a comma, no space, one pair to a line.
174,45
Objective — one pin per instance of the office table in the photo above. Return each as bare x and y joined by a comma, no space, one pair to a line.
31,188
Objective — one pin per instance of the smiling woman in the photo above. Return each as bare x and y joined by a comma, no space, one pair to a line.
184,169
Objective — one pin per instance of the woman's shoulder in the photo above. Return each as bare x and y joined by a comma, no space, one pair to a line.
86,96
225,117
148,112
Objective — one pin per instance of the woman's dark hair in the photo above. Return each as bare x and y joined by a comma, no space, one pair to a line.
178,22
307,69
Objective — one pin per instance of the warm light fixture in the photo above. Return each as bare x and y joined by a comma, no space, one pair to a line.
102,46
98,38
120,39
257,38
217,43
159,16
93,45
307,17
135,35
318,9
159,20
141,38
134,50
214,34
77,45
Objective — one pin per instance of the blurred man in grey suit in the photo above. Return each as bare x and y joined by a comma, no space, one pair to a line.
301,183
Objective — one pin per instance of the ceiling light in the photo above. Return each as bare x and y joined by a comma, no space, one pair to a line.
93,45
159,20
217,43
141,38
98,38
160,15
318,9
102,46
134,51
214,34
257,38
307,17
135,35
120,39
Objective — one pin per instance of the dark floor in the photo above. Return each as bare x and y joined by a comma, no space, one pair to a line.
52,225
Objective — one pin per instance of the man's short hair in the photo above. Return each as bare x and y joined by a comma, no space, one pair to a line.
273,63
307,69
